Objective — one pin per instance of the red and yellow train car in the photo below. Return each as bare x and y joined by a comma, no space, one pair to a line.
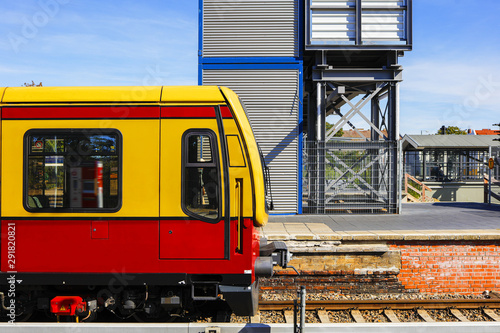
137,200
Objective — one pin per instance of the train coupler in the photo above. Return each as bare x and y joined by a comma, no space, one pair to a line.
278,251
272,254
72,306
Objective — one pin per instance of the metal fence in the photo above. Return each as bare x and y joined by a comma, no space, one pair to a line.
447,165
349,177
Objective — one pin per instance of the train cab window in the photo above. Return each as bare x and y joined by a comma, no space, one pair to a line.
72,170
201,180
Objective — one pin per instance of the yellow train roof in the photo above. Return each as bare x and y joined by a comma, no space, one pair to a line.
133,94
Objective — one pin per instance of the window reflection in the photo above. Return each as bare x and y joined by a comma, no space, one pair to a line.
72,169
201,179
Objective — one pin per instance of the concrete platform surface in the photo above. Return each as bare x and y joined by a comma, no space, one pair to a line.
426,221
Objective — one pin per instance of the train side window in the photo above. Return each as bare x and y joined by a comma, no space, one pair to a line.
201,178
73,170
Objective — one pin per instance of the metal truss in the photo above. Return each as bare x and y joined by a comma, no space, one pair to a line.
356,174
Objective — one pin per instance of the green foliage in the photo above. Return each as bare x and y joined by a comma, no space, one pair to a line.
339,134
450,130
416,195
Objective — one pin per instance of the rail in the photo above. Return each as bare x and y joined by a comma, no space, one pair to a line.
403,304
413,193
459,309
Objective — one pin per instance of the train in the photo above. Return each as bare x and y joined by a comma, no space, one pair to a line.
141,202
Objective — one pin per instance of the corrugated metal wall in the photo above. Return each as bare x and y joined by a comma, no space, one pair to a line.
272,101
250,28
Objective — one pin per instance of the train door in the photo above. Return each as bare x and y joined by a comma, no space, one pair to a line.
193,224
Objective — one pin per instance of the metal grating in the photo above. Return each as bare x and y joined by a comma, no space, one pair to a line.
271,98
250,28
357,177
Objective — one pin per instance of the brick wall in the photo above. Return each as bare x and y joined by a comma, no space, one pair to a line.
436,266
346,282
449,266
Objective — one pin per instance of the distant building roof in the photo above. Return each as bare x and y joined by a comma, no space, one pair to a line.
487,131
354,134
412,142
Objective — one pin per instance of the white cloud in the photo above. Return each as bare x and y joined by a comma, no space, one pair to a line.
461,93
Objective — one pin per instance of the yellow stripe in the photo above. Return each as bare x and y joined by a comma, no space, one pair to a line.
199,94
113,95
81,94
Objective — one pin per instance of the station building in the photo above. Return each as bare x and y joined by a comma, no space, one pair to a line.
454,167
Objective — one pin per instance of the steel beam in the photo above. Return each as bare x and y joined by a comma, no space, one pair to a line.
358,74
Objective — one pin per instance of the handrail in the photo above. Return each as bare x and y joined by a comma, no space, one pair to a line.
486,190
418,182
421,193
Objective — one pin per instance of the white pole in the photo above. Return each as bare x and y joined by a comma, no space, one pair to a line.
319,123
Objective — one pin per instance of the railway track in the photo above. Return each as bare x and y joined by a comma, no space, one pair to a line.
363,311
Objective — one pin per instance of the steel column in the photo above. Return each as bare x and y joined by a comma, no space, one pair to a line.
375,136
392,128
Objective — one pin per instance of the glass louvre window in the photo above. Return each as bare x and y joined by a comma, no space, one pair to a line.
201,177
72,170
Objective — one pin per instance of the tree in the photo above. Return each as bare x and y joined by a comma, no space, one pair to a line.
32,84
339,134
451,130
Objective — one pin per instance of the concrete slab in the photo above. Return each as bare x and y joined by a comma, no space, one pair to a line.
275,231
345,235
299,231
387,235
323,232
363,235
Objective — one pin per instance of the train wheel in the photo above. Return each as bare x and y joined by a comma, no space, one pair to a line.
20,311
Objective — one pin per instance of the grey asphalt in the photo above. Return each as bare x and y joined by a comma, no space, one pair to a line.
414,216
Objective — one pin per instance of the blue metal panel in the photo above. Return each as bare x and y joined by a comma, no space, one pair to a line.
301,28
200,74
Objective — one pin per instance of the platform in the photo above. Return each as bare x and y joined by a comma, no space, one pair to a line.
426,221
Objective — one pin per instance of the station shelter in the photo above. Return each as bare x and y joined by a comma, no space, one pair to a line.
453,166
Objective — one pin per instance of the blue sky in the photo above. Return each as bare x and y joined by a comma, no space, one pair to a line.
452,76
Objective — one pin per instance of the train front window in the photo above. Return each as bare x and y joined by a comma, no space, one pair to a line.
200,176
72,170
